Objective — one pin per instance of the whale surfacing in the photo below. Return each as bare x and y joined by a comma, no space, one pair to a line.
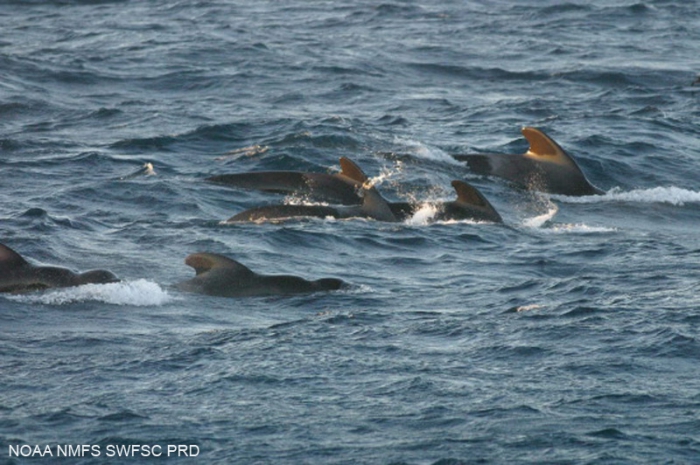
373,205
17,275
469,205
339,188
545,167
221,276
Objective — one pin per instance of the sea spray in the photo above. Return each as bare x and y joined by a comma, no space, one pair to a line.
140,293
671,195
539,220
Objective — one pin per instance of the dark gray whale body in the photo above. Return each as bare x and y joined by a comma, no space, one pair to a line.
545,167
470,204
17,275
221,276
337,188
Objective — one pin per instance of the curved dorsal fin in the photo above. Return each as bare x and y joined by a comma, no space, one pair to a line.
374,205
350,170
9,258
468,194
203,262
543,148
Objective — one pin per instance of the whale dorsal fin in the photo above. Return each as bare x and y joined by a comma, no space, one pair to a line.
204,262
350,170
543,148
468,194
9,258
374,205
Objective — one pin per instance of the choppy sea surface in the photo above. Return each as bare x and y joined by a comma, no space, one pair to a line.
566,335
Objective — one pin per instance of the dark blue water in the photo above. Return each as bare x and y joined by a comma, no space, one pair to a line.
567,335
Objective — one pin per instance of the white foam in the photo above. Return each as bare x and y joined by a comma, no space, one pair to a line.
148,169
304,200
539,220
579,228
423,215
671,195
145,170
140,293
386,174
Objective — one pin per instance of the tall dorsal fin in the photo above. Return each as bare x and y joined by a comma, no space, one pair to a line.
203,262
374,205
9,258
350,170
468,194
543,148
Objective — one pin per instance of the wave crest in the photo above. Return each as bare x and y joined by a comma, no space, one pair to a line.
671,195
140,293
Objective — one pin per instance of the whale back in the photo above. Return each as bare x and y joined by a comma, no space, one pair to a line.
218,275
471,204
545,167
18,275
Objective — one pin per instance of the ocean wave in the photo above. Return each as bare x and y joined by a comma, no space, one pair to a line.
671,195
540,221
140,293
579,228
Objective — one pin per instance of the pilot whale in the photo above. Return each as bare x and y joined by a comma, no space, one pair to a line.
17,275
339,188
545,167
221,276
373,207
470,204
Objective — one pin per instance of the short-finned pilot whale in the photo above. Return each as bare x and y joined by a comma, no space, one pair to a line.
336,188
545,167
470,204
373,207
17,275
221,276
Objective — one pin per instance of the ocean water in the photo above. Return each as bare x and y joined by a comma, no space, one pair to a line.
566,335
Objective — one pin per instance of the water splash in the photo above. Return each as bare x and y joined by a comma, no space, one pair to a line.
423,215
539,220
145,170
671,195
140,293
303,199
387,173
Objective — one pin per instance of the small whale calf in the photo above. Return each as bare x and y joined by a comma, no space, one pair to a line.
17,275
545,167
221,276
